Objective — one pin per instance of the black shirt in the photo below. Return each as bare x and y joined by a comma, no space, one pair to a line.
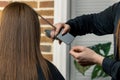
101,23
56,75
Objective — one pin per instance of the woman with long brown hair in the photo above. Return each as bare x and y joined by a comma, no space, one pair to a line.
20,55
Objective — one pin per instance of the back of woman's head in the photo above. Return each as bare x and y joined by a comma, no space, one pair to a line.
19,43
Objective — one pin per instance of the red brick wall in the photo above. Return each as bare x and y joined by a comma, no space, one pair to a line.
46,9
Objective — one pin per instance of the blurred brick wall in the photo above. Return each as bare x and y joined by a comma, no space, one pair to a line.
46,9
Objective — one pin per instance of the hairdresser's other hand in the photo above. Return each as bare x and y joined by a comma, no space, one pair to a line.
60,26
85,56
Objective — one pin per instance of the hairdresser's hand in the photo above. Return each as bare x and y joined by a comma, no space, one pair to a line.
60,26
86,56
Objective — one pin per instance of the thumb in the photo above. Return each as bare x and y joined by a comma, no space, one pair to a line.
78,48
65,29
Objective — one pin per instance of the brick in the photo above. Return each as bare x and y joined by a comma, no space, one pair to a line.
33,4
4,3
48,56
45,48
46,12
0,13
45,39
46,4
43,22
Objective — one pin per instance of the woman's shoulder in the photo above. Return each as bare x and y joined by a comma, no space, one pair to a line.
54,71
52,67
50,64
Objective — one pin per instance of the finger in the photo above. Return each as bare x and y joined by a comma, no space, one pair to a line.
77,60
74,54
52,34
66,29
78,48
83,64
86,64
58,26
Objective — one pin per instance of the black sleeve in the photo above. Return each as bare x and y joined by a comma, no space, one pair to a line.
112,68
56,75
99,23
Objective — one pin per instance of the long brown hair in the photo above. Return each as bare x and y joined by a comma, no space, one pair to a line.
118,40
20,53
